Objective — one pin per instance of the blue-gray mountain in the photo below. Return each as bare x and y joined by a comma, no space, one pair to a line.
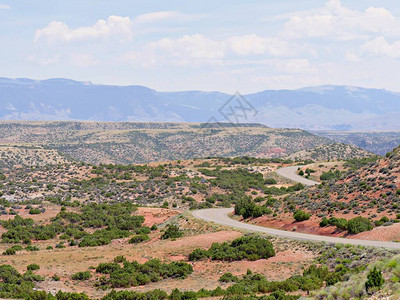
318,108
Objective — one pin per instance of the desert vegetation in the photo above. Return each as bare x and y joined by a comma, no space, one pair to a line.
127,227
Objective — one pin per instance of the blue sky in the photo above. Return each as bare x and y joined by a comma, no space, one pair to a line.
229,46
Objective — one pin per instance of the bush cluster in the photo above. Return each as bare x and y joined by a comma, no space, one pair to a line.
330,175
353,226
313,278
246,208
16,285
122,273
112,221
248,247
139,238
301,215
81,275
172,232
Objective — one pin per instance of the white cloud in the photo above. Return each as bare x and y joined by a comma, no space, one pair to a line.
157,16
191,46
188,51
83,59
140,59
254,44
10,107
338,22
352,57
198,50
381,47
249,44
298,65
45,60
114,26
5,6
200,46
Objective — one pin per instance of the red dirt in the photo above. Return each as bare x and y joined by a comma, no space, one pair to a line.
155,215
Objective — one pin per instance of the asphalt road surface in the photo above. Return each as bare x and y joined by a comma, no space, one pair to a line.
220,216
291,173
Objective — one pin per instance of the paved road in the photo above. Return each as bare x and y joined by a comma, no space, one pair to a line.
220,216
291,173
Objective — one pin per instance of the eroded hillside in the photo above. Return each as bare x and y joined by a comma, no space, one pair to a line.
145,142
125,143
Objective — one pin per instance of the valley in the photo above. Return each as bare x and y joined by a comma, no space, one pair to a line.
153,223
199,150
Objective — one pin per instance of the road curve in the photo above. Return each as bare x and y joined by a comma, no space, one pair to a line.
220,216
291,173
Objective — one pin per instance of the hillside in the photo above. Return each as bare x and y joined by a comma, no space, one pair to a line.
74,227
367,188
331,152
16,156
376,142
318,108
126,143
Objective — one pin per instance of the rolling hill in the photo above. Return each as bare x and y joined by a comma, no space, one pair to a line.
372,141
331,152
129,142
370,188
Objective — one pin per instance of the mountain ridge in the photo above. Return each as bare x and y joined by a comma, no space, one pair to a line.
326,107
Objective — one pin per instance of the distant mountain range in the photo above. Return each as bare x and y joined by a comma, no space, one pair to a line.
314,108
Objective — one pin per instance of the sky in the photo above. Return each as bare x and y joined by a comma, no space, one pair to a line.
228,46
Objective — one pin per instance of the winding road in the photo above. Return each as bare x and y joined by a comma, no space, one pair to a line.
220,216
291,173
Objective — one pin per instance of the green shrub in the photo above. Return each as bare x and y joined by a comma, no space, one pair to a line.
107,268
374,280
9,251
246,208
143,230
112,220
330,175
135,274
198,254
139,239
359,224
34,211
81,275
33,267
131,295
55,277
270,181
71,296
15,285
340,223
301,215
313,278
31,248
249,247
228,277
172,232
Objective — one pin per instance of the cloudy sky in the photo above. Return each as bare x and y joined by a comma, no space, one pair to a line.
225,45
